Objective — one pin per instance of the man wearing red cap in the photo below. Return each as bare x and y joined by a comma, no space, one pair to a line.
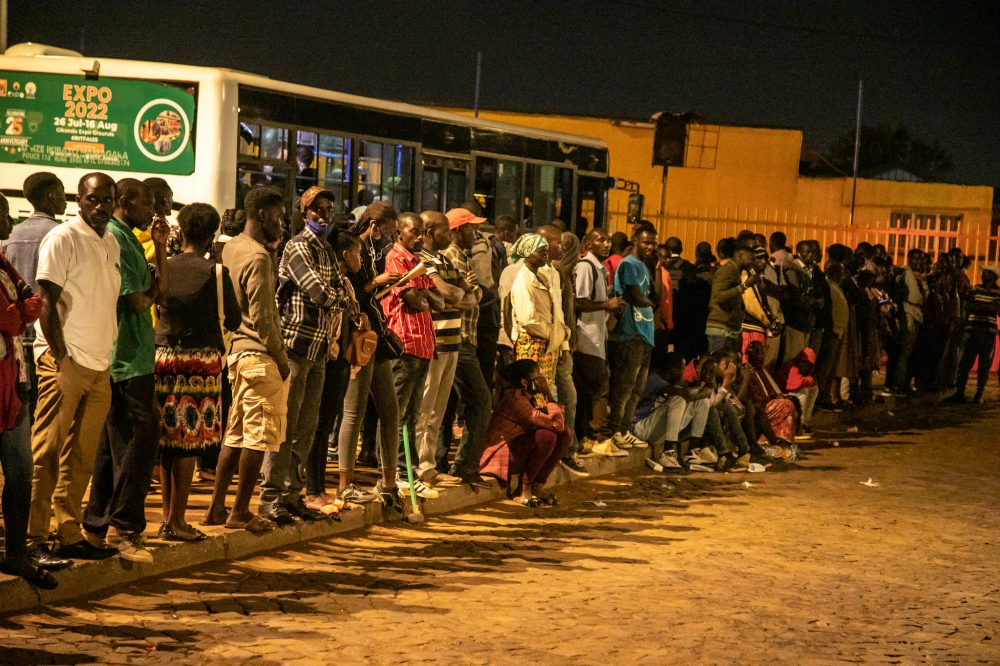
470,386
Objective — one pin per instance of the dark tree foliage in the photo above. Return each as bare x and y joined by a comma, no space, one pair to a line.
884,146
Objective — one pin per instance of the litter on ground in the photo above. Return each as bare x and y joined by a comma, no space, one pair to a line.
599,504
852,429
836,443
747,484
870,483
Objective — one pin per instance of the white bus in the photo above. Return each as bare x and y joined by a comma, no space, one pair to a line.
214,133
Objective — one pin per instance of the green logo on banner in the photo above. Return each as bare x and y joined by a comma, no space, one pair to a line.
162,130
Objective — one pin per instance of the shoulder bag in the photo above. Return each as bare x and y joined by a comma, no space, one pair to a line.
227,337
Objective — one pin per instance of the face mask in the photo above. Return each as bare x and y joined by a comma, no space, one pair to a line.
320,228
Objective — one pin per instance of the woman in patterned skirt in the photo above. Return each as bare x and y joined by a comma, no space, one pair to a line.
538,328
189,364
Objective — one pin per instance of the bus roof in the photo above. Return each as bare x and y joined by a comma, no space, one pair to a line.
137,69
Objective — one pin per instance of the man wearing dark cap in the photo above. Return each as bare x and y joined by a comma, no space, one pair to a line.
310,293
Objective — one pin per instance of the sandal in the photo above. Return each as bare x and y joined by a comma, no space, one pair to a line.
548,500
531,502
170,533
331,509
256,525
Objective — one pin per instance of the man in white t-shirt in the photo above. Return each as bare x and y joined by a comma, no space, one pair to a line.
79,276
590,367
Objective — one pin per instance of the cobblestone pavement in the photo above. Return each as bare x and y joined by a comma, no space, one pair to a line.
806,565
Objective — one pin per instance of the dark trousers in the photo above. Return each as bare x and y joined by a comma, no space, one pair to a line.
981,344
476,398
126,455
409,374
338,376
903,370
487,334
590,374
725,430
629,370
17,465
29,363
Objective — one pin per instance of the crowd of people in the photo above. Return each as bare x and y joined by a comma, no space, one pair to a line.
260,344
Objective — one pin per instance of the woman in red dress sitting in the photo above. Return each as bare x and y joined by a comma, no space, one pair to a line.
527,434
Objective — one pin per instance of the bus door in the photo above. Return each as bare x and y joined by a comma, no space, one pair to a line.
444,183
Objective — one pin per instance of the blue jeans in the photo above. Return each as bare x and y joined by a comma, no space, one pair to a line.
722,342
15,459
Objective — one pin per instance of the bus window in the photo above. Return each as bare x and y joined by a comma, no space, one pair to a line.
540,197
498,187
249,176
334,167
455,192
386,172
249,141
305,161
273,142
431,189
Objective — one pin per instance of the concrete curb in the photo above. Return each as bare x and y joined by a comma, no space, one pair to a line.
84,578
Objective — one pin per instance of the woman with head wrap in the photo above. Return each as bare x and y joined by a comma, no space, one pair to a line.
538,328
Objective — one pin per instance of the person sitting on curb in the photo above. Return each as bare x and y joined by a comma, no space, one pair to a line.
774,415
796,376
527,434
672,411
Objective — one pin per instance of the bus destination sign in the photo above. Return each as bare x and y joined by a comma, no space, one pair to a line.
116,124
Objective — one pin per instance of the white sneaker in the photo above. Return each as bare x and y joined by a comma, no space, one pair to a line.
635,441
130,546
620,441
708,455
587,445
608,448
669,460
418,486
653,465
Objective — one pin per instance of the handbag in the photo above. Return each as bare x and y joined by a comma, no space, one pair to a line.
227,337
390,347
362,345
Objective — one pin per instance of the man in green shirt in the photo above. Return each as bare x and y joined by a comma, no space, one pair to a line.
126,455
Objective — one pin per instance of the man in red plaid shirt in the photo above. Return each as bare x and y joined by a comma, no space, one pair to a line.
408,314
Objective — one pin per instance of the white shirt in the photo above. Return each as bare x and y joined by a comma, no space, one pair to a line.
87,268
591,327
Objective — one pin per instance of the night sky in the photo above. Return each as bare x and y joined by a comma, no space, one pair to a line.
934,66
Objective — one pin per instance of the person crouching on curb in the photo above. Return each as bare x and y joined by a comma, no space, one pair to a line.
527,434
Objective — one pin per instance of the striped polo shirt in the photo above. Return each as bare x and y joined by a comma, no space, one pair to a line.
447,324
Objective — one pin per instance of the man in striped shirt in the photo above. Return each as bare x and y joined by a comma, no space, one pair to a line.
310,293
980,335
458,296
408,314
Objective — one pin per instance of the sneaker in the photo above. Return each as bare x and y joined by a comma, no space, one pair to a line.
130,546
422,490
587,445
698,467
669,460
708,455
389,496
355,495
574,467
608,448
634,441
653,465
95,540
620,441
426,474
957,398
447,480
886,393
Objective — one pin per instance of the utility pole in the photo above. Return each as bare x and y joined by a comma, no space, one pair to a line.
479,69
857,146
3,26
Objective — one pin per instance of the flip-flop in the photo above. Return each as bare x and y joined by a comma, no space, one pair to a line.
257,525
